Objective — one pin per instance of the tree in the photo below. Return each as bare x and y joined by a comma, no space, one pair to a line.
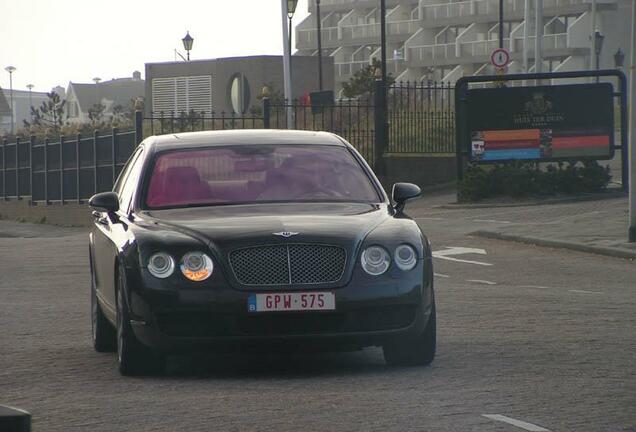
50,114
96,113
361,83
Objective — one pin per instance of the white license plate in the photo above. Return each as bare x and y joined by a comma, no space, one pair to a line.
296,301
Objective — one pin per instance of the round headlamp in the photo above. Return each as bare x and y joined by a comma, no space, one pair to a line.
375,260
405,257
196,266
161,265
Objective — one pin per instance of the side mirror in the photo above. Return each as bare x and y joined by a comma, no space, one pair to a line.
403,192
105,201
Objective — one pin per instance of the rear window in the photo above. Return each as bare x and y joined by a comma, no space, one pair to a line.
254,174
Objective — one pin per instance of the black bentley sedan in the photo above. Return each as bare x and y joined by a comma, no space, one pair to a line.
217,240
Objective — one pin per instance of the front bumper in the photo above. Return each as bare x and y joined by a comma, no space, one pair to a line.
369,311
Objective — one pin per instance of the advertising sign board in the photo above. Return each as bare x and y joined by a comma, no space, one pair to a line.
541,123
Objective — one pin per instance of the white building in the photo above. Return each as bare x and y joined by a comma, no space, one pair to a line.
119,92
23,101
445,40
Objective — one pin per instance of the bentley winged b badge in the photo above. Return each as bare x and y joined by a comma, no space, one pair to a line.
285,234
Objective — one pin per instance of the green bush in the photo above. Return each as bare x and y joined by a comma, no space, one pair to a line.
519,179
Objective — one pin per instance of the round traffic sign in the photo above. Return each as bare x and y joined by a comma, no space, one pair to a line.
500,58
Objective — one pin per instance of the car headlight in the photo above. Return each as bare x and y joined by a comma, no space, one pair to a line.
405,257
161,265
375,260
196,266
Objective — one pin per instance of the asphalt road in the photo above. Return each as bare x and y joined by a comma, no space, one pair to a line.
539,335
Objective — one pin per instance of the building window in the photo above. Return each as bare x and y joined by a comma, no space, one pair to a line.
239,93
182,94
72,109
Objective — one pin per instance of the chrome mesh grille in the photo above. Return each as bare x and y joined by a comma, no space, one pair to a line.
288,264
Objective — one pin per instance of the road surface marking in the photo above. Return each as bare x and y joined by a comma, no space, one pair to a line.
519,423
441,275
480,281
534,286
586,292
444,254
491,221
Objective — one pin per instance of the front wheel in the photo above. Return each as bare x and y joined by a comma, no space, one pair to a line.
414,351
133,357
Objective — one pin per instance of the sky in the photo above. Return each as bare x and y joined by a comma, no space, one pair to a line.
52,42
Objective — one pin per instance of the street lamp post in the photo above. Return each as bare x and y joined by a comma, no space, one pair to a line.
632,134
319,29
11,69
598,46
291,10
96,80
30,87
501,23
383,39
187,43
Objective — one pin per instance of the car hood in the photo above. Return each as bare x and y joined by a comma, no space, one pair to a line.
231,227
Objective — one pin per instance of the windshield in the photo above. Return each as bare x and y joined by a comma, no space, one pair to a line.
252,174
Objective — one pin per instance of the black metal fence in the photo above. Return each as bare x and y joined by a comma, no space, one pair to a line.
159,123
421,118
68,169
351,119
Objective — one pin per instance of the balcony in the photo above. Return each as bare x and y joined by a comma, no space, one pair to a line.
480,51
340,5
403,28
308,38
471,10
345,70
397,31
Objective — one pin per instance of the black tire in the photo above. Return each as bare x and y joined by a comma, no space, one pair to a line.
133,358
103,333
415,351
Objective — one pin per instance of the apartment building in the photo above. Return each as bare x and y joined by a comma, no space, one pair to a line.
445,40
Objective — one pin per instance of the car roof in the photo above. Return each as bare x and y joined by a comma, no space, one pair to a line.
241,136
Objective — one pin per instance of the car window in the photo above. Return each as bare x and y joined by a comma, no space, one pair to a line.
129,183
251,174
119,183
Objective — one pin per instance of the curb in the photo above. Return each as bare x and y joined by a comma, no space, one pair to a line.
561,244
580,198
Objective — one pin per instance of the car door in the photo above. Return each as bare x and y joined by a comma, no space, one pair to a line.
109,234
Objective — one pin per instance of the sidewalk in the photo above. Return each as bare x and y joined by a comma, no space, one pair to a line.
590,225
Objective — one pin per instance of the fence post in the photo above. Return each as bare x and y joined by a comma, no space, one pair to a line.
95,136
31,145
461,88
139,123
113,153
46,171
17,168
266,107
4,169
78,139
381,127
62,170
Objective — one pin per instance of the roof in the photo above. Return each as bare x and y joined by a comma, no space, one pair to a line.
5,109
120,91
242,136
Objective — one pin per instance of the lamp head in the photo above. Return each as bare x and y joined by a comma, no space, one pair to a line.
187,41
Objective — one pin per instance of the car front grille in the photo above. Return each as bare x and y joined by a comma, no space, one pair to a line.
294,264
